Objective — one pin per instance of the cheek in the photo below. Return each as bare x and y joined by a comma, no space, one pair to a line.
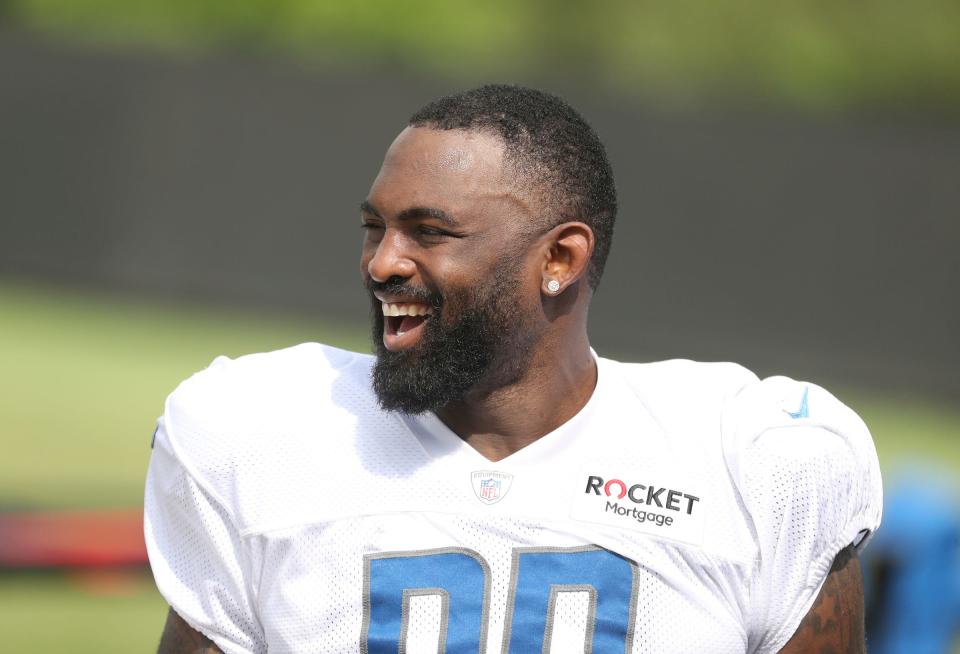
449,275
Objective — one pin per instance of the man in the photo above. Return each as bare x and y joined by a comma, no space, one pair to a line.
486,482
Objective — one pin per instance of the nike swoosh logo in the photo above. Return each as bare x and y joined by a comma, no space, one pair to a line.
804,411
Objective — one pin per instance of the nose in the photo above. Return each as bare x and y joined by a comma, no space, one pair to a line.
389,258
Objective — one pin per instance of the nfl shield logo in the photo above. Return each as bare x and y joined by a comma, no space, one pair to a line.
490,489
490,486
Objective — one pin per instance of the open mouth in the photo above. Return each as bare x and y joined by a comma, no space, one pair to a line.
403,323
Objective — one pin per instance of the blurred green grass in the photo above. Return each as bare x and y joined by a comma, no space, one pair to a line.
84,376
52,613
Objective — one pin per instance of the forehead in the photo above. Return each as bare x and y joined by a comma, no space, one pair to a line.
454,170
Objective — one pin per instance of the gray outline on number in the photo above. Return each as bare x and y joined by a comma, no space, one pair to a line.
512,598
405,616
555,590
484,613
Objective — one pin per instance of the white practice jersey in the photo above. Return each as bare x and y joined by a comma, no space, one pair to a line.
688,507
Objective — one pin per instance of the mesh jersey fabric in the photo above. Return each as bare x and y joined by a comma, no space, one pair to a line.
688,507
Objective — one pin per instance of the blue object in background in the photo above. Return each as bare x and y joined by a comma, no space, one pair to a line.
912,569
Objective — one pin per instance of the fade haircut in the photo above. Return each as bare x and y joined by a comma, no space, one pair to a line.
549,144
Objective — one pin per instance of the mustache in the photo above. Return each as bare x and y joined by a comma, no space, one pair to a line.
404,290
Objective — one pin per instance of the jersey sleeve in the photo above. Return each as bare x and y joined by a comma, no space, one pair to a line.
808,476
198,559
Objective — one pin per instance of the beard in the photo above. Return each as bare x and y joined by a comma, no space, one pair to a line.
484,346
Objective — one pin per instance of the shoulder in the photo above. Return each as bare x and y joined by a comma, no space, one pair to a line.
685,397
806,468
726,401
680,379
236,394
243,426
266,374
794,423
772,450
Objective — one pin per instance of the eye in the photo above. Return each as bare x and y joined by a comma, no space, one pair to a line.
432,234
428,230
374,231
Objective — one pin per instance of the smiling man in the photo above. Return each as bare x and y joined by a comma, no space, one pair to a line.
486,482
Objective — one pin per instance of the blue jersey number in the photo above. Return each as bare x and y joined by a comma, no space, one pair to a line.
461,578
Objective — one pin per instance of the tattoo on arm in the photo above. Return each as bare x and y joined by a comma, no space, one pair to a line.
180,638
834,624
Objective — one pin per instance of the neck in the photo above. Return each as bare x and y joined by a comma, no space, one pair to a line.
556,385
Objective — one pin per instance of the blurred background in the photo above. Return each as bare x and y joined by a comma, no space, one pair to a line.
179,180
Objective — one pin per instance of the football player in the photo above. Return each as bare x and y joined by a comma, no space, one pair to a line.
486,482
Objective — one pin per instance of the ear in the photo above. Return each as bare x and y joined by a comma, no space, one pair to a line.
569,247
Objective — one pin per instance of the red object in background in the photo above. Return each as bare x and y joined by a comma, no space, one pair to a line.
86,539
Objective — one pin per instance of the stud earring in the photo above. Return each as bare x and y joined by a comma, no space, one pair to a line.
553,286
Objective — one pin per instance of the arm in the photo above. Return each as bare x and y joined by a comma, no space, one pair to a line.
180,638
834,624
209,586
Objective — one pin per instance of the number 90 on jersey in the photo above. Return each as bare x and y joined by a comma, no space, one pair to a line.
459,580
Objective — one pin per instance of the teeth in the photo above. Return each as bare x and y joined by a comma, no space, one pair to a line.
401,309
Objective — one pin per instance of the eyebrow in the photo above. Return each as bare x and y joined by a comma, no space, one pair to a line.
413,213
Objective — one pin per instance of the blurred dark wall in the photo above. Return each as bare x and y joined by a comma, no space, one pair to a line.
820,249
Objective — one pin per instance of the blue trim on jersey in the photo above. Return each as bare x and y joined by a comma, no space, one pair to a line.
804,411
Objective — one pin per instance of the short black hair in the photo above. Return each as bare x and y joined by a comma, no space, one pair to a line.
547,140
